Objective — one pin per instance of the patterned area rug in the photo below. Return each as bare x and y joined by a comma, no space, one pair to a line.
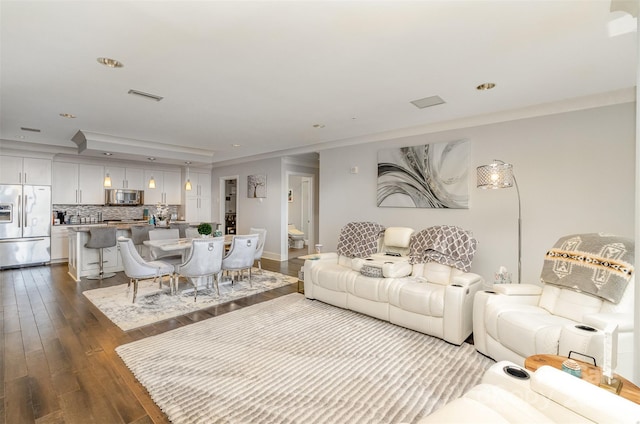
153,304
294,360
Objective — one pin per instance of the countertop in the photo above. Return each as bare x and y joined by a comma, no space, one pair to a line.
124,225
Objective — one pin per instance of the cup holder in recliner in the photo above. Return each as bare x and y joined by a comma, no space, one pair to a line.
516,372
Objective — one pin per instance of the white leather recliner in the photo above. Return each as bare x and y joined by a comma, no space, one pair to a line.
547,395
514,321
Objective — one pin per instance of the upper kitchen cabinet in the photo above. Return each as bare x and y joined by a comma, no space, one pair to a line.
77,184
131,178
198,199
24,170
167,190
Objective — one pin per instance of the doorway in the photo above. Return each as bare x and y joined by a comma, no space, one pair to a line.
300,226
229,204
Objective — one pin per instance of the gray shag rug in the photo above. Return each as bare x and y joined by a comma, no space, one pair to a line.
154,304
294,360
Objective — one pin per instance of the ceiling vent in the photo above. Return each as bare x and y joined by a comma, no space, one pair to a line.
146,95
428,101
29,129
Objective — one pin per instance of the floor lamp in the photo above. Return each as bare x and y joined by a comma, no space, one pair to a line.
500,175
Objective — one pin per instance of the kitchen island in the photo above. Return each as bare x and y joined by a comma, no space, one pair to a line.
84,261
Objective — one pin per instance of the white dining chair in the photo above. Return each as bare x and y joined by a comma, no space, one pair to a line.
204,261
262,234
191,233
241,255
137,268
164,234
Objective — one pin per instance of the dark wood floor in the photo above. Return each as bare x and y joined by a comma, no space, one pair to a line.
58,361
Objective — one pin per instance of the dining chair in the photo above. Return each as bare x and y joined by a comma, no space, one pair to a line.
164,234
204,261
241,255
181,227
139,234
262,233
137,268
191,233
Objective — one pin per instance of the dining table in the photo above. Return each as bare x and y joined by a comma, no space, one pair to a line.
181,245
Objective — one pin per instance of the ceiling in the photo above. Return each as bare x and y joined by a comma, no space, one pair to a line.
242,79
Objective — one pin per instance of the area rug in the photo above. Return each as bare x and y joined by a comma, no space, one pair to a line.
154,304
294,360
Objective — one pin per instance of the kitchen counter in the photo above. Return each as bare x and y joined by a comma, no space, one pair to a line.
83,261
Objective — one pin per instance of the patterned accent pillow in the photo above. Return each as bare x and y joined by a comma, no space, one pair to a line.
371,271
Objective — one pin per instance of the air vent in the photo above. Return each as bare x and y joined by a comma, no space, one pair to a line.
146,95
29,129
428,101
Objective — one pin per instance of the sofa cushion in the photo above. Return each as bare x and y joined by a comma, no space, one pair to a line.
568,303
375,289
530,332
420,297
333,277
486,403
433,272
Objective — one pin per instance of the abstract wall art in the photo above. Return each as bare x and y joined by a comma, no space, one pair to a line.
256,186
426,176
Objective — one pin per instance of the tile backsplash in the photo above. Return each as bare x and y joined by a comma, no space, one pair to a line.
113,212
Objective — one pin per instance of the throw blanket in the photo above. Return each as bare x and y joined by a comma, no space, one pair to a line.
444,244
597,264
359,239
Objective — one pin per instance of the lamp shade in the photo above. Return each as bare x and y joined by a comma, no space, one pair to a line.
152,182
107,180
495,175
187,185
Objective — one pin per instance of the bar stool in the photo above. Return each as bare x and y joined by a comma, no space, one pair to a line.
101,237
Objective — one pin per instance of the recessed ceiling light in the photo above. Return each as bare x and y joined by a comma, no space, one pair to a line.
235,145
151,159
67,115
111,63
318,125
188,162
20,136
107,153
485,86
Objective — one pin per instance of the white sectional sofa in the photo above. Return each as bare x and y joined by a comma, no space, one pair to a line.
429,297
547,395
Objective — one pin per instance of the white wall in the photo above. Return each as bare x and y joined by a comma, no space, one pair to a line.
269,212
575,172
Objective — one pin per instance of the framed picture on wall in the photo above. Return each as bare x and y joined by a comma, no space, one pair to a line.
290,196
256,186
426,176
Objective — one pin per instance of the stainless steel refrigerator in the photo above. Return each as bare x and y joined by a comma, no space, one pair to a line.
25,225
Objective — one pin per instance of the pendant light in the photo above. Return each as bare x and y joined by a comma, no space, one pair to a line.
187,185
152,181
107,180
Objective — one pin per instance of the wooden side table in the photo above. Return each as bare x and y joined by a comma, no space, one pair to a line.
590,373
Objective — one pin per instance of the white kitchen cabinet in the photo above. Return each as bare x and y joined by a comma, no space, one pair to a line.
24,170
77,184
59,244
168,187
130,178
198,200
